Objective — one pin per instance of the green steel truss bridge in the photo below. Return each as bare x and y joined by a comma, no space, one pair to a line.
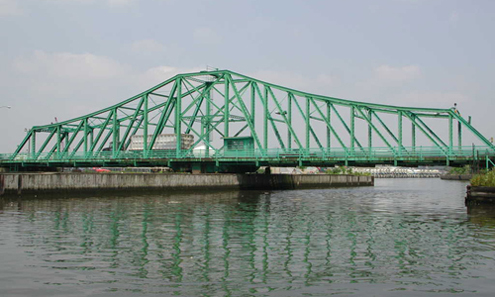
235,123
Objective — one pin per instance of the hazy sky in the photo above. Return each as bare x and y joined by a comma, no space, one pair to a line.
66,58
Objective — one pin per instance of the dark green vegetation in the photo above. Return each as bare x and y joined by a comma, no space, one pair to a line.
484,179
461,170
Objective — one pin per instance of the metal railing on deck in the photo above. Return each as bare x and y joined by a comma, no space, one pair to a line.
369,154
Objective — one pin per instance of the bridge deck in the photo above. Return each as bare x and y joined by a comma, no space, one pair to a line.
406,156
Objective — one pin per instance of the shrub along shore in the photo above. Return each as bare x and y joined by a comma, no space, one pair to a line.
484,179
482,189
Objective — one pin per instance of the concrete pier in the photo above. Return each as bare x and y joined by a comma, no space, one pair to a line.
480,195
29,183
456,176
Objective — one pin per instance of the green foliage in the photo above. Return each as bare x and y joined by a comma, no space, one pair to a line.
342,170
461,170
484,179
362,173
336,170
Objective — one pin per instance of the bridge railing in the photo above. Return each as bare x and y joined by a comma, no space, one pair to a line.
373,153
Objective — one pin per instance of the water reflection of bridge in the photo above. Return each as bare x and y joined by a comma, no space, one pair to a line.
220,239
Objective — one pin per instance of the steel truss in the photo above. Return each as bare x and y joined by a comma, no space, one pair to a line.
284,123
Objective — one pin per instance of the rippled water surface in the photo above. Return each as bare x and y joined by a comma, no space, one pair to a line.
403,237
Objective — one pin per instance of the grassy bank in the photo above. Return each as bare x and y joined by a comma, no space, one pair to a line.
461,170
484,179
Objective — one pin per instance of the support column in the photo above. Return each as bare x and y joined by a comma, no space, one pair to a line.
207,122
178,119
329,135
400,132
451,134
265,120
226,112
145,126
85,137
33,144
59,140
253,105
66,146
91,138
289,119
413,135
115,134
370,132
459,135
308,113
352,129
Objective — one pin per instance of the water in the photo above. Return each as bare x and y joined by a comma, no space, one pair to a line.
407,237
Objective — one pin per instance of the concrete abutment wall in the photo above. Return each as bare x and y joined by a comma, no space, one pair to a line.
24,183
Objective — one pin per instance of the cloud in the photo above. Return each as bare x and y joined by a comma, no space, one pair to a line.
386,77
386,73
68,66
10,7
120,2
327,80
155,75
207,36
286,79
42,85
319,84
434,99
148,46
113,3
88,81
454,17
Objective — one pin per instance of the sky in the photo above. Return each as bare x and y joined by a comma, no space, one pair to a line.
66,58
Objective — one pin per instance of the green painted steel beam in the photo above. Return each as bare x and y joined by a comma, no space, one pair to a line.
226,111
370,131
370,123
352,129
451,134
186,100
342,121
289,121
303,115
167,110
399,128
397,140
329,125
74,135
335,100
473,130
412,118
123,139
178,119
245,111
145,123
427,128
329,120
22,144
98,136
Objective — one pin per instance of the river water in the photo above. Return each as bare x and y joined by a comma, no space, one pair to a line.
403,237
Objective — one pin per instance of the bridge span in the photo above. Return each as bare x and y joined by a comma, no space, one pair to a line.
222,121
